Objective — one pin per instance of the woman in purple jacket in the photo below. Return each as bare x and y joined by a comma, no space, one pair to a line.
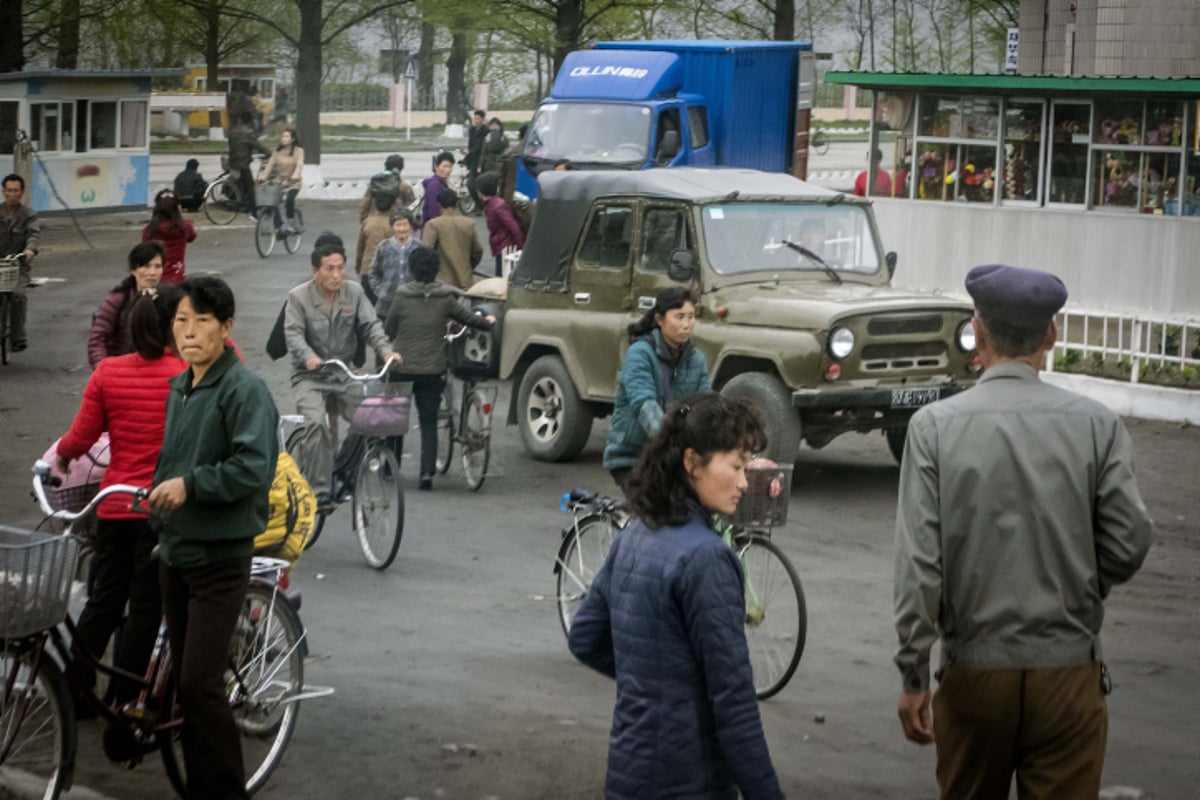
665,617
110,325
504,232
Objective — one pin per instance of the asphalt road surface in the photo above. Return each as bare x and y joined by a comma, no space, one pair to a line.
452,676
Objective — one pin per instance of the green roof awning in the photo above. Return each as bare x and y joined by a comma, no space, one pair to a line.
1014,84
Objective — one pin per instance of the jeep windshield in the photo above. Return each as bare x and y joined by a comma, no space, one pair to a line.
778,237
592,133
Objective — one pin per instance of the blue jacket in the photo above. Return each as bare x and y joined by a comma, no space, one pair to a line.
665,617
650,381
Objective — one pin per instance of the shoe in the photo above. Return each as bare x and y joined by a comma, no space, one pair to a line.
253,217
18,347
426,483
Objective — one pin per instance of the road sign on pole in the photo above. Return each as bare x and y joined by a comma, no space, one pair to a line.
410,76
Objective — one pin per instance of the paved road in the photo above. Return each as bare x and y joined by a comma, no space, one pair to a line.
451,673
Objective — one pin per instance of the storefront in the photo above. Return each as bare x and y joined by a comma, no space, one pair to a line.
89,132
1118,157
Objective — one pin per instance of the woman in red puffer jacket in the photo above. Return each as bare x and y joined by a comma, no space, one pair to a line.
169,228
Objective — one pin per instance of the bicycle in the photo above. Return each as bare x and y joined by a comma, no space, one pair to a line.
473,428
377,412
271,225
819,142
459,183
776,621
223,197
40,665
10,278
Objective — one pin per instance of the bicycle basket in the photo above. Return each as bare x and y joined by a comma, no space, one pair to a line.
9,278
74,498
35,580
270,194
765,501
379,409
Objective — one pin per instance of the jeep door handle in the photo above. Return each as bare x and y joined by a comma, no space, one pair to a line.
582,298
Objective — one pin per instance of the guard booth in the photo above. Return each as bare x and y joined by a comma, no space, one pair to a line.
1096,179
89,132
234,78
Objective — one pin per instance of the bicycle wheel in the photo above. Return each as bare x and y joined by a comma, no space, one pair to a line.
4,331
476,440
446,426
579,559
37,717
291,239
466,203
820,143
264,231
378,505
776,614
222,201
293,449
266,673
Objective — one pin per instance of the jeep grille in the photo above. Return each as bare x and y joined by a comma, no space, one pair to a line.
884,326
904,355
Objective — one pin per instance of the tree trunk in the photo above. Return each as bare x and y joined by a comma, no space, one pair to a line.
424,98
12,31
211,15
308,80
568,29
68,36
456,85
785,20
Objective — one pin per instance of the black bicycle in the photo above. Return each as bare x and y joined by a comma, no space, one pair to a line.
271,225
469,422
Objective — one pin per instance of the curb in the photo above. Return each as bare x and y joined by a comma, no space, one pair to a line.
1138,400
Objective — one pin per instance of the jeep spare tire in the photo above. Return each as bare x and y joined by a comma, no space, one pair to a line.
555,423
773,400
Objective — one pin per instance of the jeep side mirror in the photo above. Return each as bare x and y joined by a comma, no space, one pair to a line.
682,267
668,147
890,260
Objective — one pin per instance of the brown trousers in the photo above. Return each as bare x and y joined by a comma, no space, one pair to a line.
1049,726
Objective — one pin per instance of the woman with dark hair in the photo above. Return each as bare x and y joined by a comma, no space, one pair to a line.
495,145
660,367
169,228
126,396
109,335
665,617
285,167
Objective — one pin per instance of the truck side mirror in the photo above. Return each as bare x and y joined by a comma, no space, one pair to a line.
668,147
890,260
682,267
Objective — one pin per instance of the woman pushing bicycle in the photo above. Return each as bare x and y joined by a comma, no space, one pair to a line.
665,617
661,367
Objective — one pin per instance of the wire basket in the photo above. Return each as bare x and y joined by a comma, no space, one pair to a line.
379,409
36,570
764,504
74,499
10,278
270,194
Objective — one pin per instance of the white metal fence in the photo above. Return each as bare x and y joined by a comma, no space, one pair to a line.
1132,347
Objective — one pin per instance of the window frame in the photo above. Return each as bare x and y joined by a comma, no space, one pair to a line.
1040,194
919,140
593,214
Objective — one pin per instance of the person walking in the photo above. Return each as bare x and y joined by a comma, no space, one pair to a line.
211,498
416,325
20,234
169,228
389,266
387,191
504,232
190,186
661,367
443,165
495,147
127,396
665,617
1018,513
286,167
110,333
454,236
477,136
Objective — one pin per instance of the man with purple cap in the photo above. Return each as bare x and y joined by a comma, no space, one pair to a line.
1018,512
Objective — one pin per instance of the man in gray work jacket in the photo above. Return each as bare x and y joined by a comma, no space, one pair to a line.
1018,513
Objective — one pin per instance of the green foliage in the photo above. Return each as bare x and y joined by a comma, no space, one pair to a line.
354,97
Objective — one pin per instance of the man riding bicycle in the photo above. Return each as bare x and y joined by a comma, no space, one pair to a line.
326,318
20,233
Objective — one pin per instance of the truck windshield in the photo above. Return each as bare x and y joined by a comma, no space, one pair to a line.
599,133
755,237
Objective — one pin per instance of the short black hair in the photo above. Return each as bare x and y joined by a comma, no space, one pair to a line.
143,253
445,155
331,239
319,254
12,176
192,164
479,112
394,162
1010,340
447,198
209,295
423,264
486,184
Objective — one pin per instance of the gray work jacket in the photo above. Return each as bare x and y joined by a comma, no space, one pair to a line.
313,327
23,231
1018,513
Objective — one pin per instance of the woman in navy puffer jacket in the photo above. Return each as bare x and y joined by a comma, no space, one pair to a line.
664,616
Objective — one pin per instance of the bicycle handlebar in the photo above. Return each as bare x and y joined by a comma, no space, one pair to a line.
362,378
43,474
462,329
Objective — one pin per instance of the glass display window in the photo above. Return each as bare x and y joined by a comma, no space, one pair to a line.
1164,124
1118,122
1070,125
951,117
1024,121
1115,185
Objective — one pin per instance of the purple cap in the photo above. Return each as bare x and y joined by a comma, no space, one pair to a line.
1015,294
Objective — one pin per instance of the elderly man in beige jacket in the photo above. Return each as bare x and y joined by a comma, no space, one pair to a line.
456,241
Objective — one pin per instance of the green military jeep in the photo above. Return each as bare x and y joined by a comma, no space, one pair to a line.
796,312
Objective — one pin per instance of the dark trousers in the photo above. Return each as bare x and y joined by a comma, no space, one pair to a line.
499,266
191,203
289,205
246,185
202,605
19,303
1048,726
427,394
123,571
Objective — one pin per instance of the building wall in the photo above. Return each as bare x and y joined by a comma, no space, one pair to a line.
1144,38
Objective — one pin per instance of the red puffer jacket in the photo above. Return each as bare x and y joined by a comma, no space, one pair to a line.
127,396
174,243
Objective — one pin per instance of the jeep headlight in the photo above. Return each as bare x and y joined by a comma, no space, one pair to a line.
965,337
841,343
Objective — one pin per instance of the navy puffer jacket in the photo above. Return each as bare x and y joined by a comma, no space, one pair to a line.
664,616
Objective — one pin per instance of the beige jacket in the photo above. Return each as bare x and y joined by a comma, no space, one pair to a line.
457,242
287,168
373,230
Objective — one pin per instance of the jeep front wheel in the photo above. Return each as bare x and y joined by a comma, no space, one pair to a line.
773,400
555,423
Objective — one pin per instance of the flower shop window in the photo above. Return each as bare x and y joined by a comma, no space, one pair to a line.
1022,143
949,117
1136,181
956,172
1118,122
1070,125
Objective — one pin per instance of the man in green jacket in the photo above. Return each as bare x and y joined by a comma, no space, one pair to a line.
210,496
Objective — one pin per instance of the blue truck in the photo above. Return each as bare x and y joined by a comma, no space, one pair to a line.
636,105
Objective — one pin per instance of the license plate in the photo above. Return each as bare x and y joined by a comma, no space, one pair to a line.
913,398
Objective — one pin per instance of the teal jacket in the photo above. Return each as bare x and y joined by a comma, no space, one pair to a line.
651,380
221,439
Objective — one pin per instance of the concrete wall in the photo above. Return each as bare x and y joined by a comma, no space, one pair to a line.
1108,261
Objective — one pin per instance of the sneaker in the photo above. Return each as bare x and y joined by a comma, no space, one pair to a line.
426,483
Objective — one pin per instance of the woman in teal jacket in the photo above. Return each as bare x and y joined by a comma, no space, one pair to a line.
661,367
